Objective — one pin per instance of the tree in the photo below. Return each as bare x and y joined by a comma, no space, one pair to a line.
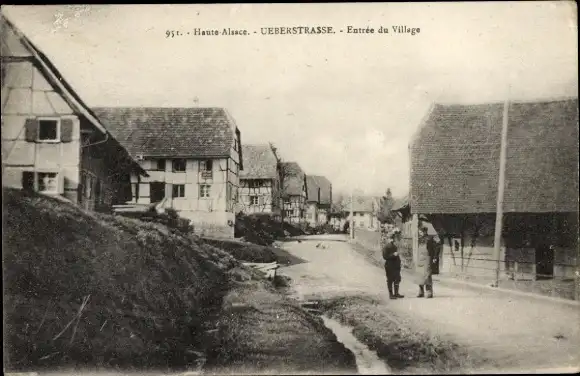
338,207
385,212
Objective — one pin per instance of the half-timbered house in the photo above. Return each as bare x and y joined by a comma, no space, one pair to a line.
294,192
259,190
52,142
193,157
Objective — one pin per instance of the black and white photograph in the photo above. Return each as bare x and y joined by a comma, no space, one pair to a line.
290,188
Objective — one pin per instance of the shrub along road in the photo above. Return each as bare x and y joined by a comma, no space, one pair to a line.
467,328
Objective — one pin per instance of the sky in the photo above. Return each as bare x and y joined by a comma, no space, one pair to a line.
341,105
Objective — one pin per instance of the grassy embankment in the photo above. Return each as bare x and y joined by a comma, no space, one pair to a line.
85,290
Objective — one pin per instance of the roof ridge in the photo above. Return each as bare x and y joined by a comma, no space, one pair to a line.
258,146
511,101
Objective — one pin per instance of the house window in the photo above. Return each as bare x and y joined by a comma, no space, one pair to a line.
161,165
288,213
362,224
204,190
47,182
206,165
178,190
253,200
254,183
135,191
48,130
206,169
178,165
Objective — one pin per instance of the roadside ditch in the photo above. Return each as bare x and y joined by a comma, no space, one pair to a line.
367,360
384,343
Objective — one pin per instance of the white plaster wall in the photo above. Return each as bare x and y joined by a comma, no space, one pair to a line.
27,94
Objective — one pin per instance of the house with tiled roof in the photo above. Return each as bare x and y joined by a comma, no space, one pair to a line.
319,199
259,190
193,157
52,142
364,210
455,160
294,192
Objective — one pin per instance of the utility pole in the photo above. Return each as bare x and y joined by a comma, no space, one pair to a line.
500,192
351,225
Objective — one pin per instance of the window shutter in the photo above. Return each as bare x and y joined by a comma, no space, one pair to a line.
28,180
31,126
260,200
66,130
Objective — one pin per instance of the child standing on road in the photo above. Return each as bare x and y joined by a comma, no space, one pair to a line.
392,263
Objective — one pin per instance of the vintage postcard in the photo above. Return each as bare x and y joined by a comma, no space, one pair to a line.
313,188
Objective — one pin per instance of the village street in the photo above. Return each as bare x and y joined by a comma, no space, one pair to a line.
513,332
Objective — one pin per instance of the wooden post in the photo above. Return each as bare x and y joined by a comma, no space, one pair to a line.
462,255
351,225
500,192
415,239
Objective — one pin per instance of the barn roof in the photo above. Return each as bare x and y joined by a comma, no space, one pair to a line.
171,131
259,162
316,182
455,158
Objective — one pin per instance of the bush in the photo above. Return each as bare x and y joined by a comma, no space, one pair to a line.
169,218
148,291
324,229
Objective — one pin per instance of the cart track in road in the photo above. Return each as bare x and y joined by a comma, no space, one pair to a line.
513,332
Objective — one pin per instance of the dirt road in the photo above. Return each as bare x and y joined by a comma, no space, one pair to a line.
515,332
